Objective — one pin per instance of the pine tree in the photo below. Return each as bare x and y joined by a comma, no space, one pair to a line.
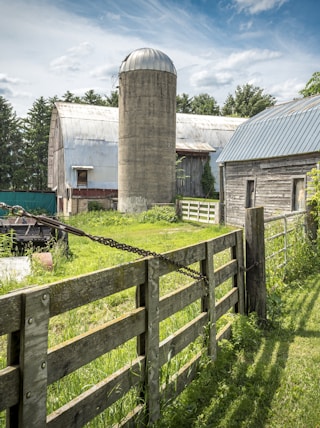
10,147
36,135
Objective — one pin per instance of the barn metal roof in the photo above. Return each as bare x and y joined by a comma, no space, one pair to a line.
213,130
147,59
286,129
83,124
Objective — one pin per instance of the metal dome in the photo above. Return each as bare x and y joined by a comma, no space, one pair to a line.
147,59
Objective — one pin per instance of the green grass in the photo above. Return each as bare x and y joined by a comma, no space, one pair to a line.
148,231
262,378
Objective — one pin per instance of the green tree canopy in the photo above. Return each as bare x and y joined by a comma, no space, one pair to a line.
313,85
69,97
10,146
248,101
113,99
184,103
204,104
36,135
91,97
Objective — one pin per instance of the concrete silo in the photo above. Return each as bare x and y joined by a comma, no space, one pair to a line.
147,130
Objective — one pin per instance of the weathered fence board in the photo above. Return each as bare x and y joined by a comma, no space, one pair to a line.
226,271
182,378
179,299
72,293
10,313
73,354
25,314
227,302
90,403
9,387
176,342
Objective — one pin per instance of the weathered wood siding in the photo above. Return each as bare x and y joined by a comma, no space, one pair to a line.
273,184
193,166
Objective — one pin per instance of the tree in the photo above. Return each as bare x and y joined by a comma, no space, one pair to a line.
204,104
113,99
184,103
10,147
248,101
313,85
36,136
208,181
69,97
91,97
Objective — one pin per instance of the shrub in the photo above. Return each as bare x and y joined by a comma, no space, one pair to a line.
164,213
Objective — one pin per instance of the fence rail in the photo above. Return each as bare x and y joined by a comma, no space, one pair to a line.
201,211
32,367
279,242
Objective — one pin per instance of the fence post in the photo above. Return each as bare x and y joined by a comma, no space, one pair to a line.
238,280
208,302
30,347
148,343
255,262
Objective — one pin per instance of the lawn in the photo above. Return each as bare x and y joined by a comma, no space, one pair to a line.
263,377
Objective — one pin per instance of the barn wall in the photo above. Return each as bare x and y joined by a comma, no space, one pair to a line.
273,184
193,166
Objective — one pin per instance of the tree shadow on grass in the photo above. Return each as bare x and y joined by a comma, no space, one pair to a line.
238,388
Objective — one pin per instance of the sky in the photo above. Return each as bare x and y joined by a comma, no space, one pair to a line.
50,47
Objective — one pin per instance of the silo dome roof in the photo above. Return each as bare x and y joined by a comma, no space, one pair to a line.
147,59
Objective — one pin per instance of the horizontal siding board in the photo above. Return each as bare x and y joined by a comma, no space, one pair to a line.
273,180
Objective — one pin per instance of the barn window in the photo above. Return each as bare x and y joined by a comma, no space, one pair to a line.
298,194
82,175
250,194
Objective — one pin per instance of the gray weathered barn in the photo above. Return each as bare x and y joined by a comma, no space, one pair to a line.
267,160
83,152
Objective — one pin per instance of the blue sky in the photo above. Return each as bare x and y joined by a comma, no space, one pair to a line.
47,48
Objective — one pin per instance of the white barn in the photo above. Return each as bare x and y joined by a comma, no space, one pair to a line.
83,151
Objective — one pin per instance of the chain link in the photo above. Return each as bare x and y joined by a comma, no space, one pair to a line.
56,224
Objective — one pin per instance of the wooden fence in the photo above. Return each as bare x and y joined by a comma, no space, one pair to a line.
31,367
201,211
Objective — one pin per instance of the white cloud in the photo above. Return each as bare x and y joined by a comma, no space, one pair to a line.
47,49
257,6
248,58
105,72
4,78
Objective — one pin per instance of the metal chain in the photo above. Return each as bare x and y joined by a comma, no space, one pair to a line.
56,224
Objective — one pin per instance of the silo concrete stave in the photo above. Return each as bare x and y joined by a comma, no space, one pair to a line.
147,130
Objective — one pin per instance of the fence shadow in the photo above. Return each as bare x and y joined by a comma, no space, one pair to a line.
238,389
